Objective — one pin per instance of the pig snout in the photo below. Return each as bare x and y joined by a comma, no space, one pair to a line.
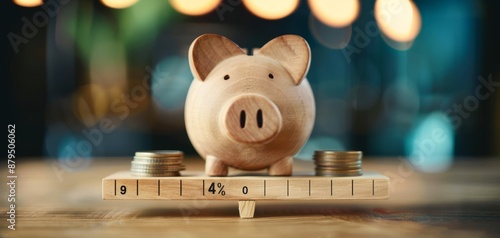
250,118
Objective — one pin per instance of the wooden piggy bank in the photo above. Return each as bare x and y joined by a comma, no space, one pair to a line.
249,111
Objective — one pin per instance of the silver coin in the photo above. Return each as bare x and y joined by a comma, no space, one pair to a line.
142,169
145,169
172,174
154,166
155,174
167,167
159,153
159,158
155,163
164,168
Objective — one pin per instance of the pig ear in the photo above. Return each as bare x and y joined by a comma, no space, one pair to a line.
292,52
207,51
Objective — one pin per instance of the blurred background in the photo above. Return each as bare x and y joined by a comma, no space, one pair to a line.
417,80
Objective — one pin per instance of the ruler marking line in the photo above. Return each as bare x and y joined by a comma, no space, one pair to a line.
331,187
137,185
352,187
180,187
287,188
203,187
264,187
373,187
115,187
158,187
309,187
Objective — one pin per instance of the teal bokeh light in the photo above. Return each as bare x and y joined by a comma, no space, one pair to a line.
170,83
430,145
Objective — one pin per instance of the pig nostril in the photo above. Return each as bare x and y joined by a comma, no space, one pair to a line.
242,119
260,119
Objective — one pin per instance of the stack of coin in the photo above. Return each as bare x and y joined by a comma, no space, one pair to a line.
157,163
337,163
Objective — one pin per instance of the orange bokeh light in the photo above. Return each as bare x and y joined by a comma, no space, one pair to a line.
119,4
194,7
271,10
399,20
335,13
28,3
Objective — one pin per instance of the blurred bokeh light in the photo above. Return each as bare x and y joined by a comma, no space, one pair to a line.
29,3
171,82
335,13
430,144
319,143
119,4
194,7
271,10
398,19
90,103
385,74
331,37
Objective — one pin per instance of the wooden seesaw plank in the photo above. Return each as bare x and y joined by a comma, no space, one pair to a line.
190,186
245,189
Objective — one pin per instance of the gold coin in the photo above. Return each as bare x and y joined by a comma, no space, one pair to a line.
338,174
327,170
337,163
337,168
337,152
331,154
336,159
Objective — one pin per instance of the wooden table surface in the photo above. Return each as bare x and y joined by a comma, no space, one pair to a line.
462,202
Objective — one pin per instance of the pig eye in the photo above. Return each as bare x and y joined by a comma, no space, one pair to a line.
271,76
226,77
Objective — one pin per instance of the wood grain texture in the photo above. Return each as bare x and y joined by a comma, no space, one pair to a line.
214,166
191,186
282,167
246,209
207,51
249,111
292,52
251,118
461,202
